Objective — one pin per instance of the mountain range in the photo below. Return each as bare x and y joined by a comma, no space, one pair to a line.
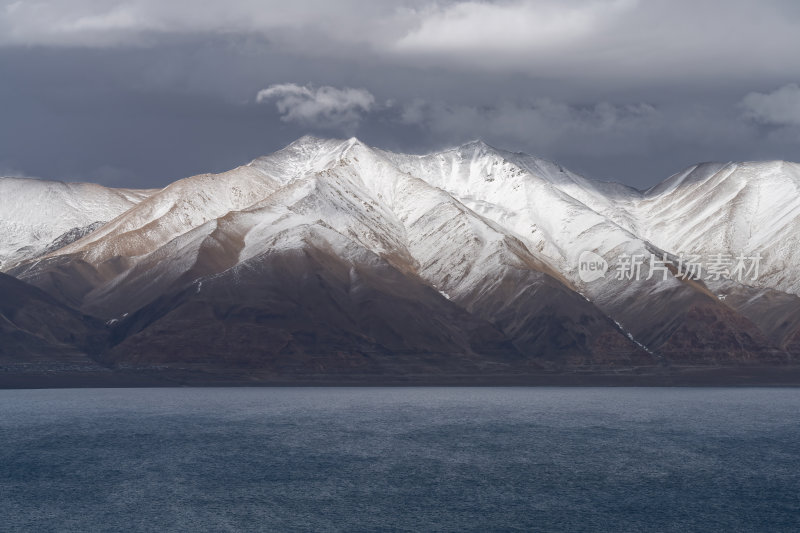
331,261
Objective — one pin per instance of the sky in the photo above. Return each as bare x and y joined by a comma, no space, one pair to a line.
140,93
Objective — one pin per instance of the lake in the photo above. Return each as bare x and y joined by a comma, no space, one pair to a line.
400,459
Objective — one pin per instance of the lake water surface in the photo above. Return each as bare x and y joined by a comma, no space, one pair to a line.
400,459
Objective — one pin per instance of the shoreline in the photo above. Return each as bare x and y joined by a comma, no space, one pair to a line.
774,376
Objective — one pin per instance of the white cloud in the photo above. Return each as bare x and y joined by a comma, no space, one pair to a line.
78,22
325,107
118,18
521,26
780,107
99,23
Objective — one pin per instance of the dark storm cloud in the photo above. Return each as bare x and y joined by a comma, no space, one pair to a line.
143,92
779,108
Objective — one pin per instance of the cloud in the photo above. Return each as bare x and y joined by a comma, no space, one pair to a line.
780,107
79,22
509,27
102,23
636,142
543,123
608,41
323,107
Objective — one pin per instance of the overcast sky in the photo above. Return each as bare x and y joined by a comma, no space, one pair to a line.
140,93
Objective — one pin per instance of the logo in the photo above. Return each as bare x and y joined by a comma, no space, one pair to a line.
591,266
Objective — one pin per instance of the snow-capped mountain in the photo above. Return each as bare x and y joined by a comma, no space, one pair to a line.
733,208
36,215
331,256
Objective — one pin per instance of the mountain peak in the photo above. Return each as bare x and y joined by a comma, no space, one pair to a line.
309,140
478,147
475,143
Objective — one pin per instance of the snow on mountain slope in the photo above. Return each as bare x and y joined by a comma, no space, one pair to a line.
305,156
205,224
483,267
559,215
534,207
173,211
191,202
497,233
734,209
609,199
35,213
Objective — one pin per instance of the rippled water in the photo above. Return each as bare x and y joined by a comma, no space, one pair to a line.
417,459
